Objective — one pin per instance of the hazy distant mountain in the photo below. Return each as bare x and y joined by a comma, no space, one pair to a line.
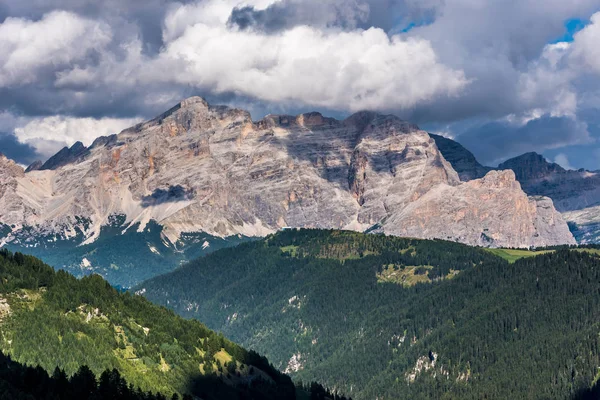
531,166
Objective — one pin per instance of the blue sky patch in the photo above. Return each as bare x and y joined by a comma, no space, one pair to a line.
426,20
572,26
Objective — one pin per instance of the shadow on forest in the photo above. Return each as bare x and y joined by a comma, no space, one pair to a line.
253,387
591,393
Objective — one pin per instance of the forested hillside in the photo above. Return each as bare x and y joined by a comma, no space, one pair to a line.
22,382
392,318
50,319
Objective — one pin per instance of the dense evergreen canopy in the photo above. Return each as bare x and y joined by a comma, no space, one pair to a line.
392,318
28,383
50,319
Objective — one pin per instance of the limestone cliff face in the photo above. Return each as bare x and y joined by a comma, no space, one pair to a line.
9,172
571,190
211,168
12,206
575,193
491,211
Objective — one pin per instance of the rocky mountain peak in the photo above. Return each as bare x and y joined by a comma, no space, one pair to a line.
34,166
361,119
10,172
190,116
314,119
502,179
104,141
195,102
574,193
491,211
10,168
531,166
66,155
204,168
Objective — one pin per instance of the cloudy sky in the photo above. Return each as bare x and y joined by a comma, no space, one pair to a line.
503,77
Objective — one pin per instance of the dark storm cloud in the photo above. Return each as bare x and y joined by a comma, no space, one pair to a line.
145,55
36,101
288,14
13,149
497,141
346,14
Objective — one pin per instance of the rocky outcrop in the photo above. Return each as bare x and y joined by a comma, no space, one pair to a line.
461,159
9,172
65,156
575,193
13,207
571,190
208,168
490,211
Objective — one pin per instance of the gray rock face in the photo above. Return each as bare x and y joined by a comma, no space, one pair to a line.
12,207
34,166
9,173
211,168
461,159
575,193
65,156
491,211
570,190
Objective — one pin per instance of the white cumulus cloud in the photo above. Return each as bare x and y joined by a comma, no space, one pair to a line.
586,44
57,40
345,70
50,134
562,160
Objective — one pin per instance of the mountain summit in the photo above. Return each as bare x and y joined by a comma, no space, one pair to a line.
530,166
203,168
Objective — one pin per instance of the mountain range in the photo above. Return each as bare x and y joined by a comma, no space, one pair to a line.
381,298
215,174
